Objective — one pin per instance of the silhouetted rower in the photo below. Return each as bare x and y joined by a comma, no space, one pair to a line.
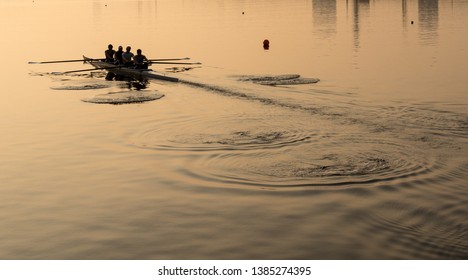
141,62
118,55
109,53
128,57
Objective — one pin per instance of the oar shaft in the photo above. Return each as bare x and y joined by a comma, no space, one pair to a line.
183,63
61,61
83,70
90,59
169,59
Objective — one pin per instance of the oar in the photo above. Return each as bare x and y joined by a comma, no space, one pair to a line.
184,63
168,59
83,70
62,61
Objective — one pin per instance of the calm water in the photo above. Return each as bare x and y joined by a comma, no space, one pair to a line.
369,163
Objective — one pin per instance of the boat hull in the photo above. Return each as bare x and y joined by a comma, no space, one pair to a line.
137,74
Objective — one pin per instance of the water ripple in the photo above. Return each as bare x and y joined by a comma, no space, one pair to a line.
419,232
315,164
437,121
238,140
222,135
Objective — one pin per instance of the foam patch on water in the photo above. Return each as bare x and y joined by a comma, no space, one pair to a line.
124,97
81,87
265,78
276,80
299,81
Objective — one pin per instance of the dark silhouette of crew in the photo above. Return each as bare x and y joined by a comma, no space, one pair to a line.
110,53
141,62
127,57
118,55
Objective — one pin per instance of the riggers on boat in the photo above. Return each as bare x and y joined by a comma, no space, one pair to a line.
137,74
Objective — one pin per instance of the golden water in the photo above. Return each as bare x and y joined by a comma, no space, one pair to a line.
368,163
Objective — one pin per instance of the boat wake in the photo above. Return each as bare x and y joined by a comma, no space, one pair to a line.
251,95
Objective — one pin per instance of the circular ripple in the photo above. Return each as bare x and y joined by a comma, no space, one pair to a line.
314,164
238,140
271,152
233,140
223,135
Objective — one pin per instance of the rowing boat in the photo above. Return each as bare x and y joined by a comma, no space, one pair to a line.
137,74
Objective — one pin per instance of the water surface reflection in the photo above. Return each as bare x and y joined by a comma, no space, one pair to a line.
360,10
428,12
324,15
